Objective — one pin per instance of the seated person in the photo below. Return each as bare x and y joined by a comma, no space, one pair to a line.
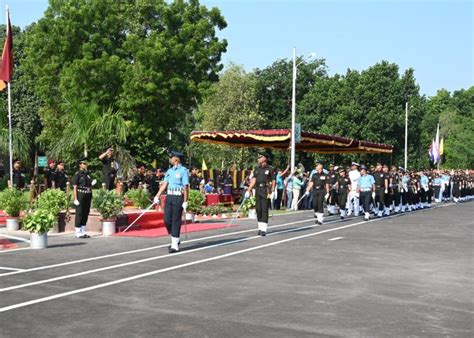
209,187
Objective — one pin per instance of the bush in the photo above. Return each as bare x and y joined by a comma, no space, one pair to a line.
52,200
108,203
139,197
40,221
13,201
249,203
195,201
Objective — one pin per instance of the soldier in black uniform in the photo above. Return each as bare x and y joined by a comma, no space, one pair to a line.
157,178
60,177
110,172
430,193
18,176
381,188
50,175
332,179
320,187
395,181
264,182
194,179
82,198
343,185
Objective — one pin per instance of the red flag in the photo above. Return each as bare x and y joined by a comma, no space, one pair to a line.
6,71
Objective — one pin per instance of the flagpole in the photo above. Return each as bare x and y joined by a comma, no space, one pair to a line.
10,133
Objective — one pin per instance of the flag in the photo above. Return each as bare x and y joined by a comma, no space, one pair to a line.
204,166
153,164
6,70
431,151
436,154
441,147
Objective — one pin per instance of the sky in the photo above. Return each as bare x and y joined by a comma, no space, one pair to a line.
433,37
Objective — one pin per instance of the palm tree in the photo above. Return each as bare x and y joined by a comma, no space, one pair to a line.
20,144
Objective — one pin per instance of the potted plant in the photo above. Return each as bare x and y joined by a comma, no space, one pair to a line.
55,201
109,204
139,197
249,207
12,201
195,201
38,224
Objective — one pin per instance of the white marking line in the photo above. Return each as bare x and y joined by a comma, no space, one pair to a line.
12,269
180,266
17,238
184,252
146,249
10,250
335,238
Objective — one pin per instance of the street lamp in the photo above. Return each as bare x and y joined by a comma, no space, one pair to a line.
293,104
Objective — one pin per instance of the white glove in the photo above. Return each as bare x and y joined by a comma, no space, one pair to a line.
156,200
94,182
247,194
76,203
373,195
274,195
326,196
386,191
185,205
306,193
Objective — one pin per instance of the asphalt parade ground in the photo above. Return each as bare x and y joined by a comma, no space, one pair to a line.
403,275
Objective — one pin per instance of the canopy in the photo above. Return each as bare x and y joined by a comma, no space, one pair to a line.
281,139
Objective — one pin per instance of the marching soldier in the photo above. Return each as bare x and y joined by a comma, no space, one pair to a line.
424,185
354,176
320,187
343,185
394,184
176,184
49,175
366,190
388,199
60,177
108,163
332,179
264,183
82,198
381,188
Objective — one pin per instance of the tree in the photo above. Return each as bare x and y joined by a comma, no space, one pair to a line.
149,60
231,105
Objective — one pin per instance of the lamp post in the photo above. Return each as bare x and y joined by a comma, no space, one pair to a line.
293,106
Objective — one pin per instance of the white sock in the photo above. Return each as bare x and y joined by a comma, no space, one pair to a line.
83,229
78,232
175,243
264,226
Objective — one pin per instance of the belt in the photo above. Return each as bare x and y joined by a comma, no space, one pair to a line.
84,191
174,192
261,185
379,186
365,190
318,187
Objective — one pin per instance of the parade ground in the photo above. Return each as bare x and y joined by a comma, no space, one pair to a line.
403,275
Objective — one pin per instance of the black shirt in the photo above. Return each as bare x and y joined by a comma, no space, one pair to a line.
60,178
380,178
108,166
395,179
332,178
319,180
49,175
82,180
194,182
18,179
343,182
264,176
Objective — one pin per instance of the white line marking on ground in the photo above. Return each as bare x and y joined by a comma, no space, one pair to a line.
10,250
180,266
170,268
335,238
17,238
147,249
13,269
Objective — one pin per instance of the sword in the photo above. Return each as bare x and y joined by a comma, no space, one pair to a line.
185,225
136,219
237,212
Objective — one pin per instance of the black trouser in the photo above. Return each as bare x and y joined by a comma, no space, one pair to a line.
404,197
173,212
109,181
447,191
332,197
364,198
278,199
396,196
318,200
430,195
263,204
437,189
456,190
83,209
380,197
342,198
422,195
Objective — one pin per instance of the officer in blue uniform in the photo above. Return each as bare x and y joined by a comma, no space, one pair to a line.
366,190
176,184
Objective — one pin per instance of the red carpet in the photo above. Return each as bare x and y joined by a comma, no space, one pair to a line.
159,232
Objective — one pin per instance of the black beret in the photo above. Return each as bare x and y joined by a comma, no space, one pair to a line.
264,154
82,160
363,167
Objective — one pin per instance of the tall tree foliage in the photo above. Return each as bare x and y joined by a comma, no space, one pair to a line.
149,59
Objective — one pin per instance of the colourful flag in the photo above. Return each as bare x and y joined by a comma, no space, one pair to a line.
204,166
441,147
431,151
153,164
6,71
436,154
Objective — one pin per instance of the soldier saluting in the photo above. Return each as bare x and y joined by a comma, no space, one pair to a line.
108,162
264,183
